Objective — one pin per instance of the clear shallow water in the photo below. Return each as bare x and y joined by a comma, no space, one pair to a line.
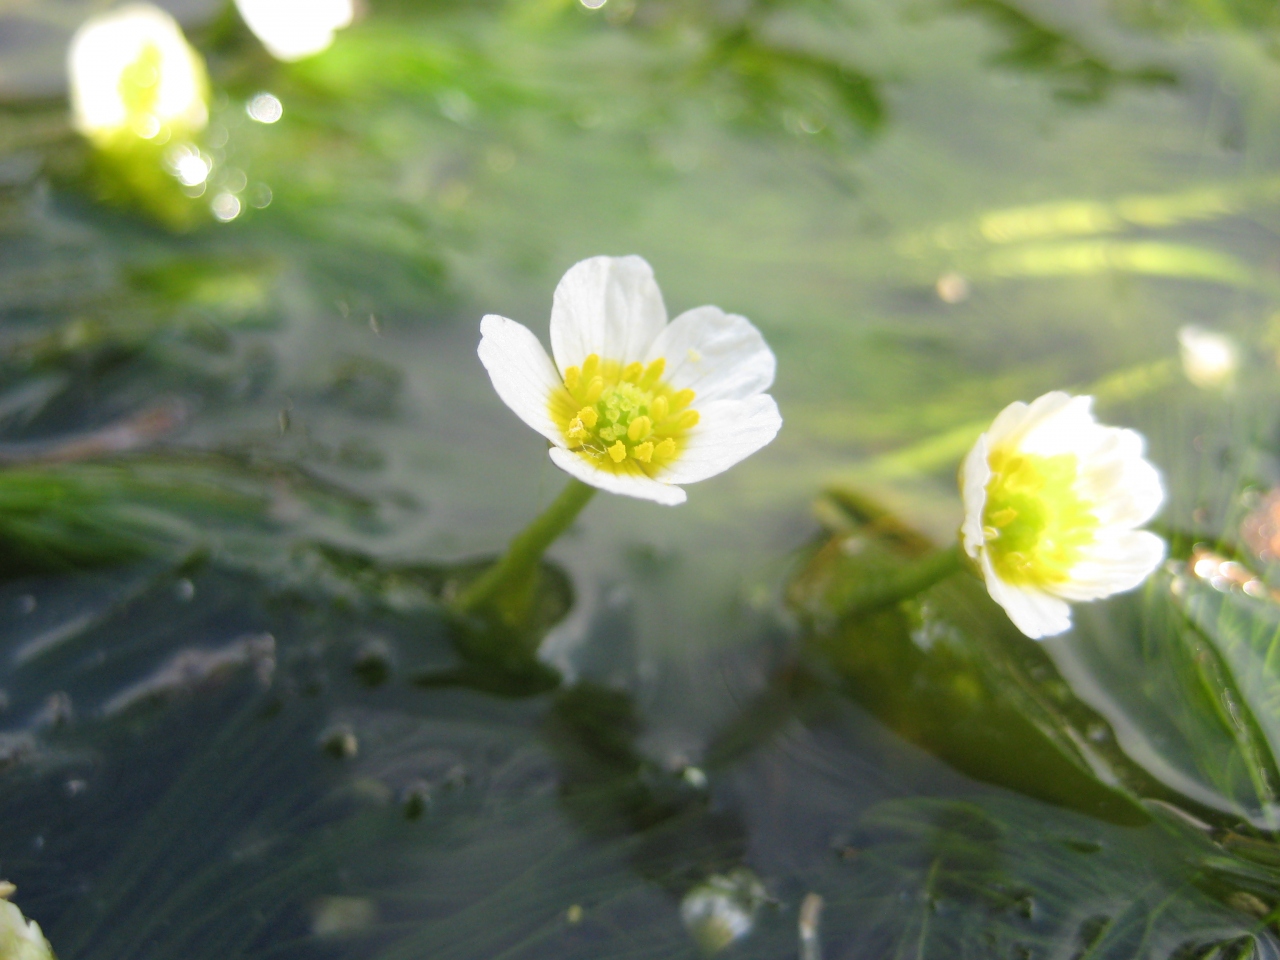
223,747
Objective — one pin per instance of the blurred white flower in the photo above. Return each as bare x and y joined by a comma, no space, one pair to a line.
1052,501
632,404
294,29
133,72
20,938
1209,359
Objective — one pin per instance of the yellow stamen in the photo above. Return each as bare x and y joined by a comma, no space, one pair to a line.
640,428
653,373
1002,518
626,417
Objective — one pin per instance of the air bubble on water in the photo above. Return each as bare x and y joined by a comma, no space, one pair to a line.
722,910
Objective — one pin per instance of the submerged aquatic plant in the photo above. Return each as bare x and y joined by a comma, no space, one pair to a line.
134,76
1052,501
295,29
20,938
631,404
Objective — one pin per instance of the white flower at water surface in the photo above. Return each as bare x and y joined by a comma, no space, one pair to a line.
20,938
1052,500
633,404
132,72
294,29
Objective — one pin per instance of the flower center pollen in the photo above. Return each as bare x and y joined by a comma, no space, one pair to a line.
1036,525
623,418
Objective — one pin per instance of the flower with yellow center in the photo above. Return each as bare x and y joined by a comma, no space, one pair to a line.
1052,501
633,404
294,29
20,938
134,75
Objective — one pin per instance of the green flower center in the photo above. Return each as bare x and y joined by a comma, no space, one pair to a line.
140,91
1035,523
623,418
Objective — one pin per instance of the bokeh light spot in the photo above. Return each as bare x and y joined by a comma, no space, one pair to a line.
265,108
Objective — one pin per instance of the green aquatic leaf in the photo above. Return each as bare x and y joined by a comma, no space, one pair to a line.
62,516
999,878
950,673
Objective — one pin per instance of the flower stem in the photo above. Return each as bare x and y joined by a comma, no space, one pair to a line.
517,565
902,584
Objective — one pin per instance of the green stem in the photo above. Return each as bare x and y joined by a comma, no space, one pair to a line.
521,559
902,584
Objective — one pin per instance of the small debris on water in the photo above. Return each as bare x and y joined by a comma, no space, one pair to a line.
574,914
340,742
416,799
810,918
334,916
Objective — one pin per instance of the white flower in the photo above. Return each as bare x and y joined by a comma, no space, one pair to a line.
20,938
132,71
632,404
294,29
1209,359
1051,502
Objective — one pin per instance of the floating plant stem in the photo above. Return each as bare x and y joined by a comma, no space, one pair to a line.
514,572
630,403
902,584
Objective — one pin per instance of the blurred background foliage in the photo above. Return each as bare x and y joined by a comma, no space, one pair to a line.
242,461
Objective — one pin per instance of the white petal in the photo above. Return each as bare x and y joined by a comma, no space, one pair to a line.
1007,421
729,431
632,484
1034,612
718,355
1124,487
1057,423
606,305
521,371
974,477
1117,561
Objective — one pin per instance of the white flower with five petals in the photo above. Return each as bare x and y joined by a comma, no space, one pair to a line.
132,72
295,29
1052,501
633,404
